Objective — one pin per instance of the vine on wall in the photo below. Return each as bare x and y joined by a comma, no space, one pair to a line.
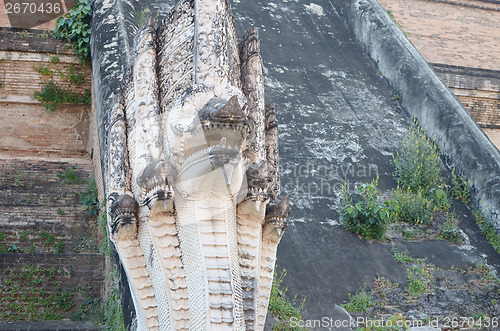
53,94
75,27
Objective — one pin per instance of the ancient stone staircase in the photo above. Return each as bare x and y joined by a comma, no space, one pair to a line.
51,274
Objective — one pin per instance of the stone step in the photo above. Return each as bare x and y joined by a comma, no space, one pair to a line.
35,164
49,286
28,212
48,326
30,130
25,175
47,195
48,236
27,42
41,190
40,211
83,264
40,197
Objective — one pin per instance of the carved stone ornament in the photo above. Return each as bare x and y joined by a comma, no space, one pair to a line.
192,174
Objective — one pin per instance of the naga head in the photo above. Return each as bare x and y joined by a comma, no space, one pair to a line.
123,215
153,181
276,213
207,136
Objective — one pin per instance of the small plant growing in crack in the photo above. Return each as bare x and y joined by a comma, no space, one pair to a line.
54,59
460,187
419,277
395,95
43,70
70,176
401,257
359,302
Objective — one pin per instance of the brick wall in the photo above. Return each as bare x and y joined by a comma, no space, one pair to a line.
494,135
461,40
49,261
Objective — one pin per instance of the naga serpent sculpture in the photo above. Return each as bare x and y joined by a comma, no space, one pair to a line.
192,174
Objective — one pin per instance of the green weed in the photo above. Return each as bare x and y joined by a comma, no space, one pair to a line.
70,176
401,257
74,77
450,231
49,240
54,59
53,95
460,188
419,277
395,95
43,35
487,229
417,164
439,199
363,214
359,302
43,70
280,306
89,198
414,208
75,27
26,298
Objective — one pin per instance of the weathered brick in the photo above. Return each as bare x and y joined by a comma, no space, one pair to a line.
461,39
461,33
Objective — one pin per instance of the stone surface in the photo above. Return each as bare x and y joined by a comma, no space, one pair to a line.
32,41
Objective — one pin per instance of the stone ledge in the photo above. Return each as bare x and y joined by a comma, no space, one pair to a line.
477,72
479,4
51,258
13,39
48,326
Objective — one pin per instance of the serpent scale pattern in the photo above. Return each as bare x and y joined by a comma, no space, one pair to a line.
164,234
268,261
249,248
133,260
